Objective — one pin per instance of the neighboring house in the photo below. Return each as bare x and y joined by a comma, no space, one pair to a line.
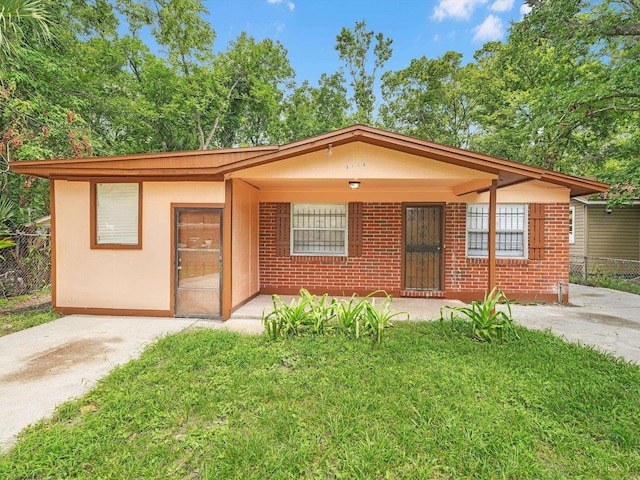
356,210
600,231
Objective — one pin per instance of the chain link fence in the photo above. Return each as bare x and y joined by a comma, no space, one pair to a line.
26,267
584,267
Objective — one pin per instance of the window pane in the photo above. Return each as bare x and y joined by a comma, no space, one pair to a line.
319,241
319,229
319,216
510,217
117,213
510,230
509,244
478,217
572,213
478,244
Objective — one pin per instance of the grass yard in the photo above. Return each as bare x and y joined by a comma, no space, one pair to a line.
424,404
608,281
18,313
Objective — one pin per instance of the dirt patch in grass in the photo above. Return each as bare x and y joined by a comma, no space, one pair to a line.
18,313
26,303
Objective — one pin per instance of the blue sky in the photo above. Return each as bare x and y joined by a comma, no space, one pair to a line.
308,29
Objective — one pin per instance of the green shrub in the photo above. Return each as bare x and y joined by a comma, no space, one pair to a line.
377,320
487,323
355,317
290,319
349,313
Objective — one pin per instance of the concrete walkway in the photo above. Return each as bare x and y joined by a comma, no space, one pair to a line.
608,320
46,365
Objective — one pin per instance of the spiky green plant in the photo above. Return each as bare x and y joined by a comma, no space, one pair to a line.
18,18
354,317
320,311
378,319
291,319
348,314
488,324
6,213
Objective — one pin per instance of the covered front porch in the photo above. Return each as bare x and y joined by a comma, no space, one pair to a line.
417,308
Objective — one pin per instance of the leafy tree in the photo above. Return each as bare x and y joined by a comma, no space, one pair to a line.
354,49
243,98
578,62
432,99
21,22
311,110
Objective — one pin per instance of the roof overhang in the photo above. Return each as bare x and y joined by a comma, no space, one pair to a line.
216,164
588,201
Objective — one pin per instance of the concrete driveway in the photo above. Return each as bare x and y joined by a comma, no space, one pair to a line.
46,365
608,320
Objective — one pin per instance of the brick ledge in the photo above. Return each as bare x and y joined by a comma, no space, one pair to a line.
422,293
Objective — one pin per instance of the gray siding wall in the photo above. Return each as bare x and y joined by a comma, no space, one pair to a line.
614,236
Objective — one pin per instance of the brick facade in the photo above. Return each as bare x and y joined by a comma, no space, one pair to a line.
380,266
521,279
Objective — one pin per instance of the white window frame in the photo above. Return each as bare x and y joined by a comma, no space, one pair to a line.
572,225
499,253
117,212
296,251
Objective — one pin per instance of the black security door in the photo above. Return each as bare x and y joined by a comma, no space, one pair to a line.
423,247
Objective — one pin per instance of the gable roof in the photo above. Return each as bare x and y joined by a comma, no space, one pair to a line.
214,164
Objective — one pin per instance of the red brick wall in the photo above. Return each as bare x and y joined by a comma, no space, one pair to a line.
522,279
380,266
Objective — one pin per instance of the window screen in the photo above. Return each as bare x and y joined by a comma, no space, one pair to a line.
117,213
318,229
511,230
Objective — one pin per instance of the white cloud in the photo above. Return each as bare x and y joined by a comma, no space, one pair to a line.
458,9
491,29
525,9
436,38
502,5
289,4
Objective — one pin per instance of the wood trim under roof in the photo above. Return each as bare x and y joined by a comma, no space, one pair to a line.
219,163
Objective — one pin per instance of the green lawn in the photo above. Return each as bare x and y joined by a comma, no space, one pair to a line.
18,313
608,281
424,404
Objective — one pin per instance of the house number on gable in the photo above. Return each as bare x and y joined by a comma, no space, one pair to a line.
353,166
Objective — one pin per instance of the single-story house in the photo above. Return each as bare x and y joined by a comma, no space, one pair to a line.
200,233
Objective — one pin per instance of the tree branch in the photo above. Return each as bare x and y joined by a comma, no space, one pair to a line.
214,128
200,132
612,31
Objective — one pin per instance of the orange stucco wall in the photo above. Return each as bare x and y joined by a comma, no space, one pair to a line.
244,248
360,160
120,279
386,176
